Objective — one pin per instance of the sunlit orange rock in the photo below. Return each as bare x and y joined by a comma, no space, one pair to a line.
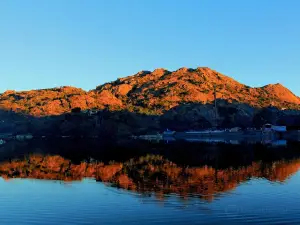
147,91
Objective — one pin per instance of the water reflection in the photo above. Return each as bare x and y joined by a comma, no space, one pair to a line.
142,183
212,140
151,174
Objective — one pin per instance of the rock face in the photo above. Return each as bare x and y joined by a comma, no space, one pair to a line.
146,102
56,101
150,93
161,90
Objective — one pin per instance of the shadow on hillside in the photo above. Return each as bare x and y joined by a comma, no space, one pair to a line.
111,125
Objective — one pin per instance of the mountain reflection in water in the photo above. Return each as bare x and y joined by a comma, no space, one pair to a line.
151,173
148,183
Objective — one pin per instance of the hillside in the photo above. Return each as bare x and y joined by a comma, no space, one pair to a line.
150,93
56,101
161,90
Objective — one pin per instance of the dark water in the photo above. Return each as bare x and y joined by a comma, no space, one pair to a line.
253,184
48,202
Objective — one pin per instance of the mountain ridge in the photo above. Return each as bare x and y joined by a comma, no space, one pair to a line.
150,93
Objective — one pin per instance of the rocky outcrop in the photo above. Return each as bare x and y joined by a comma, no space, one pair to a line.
149,93
56,101
161,90
148,102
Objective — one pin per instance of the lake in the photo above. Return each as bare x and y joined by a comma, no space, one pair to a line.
178,183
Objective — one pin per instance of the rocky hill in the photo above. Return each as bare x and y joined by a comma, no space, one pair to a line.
55,101
147,102
149,93
162,90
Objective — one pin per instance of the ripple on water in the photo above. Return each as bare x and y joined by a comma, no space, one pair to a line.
256,201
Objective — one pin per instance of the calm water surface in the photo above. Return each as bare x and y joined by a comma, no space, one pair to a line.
257,201
260,199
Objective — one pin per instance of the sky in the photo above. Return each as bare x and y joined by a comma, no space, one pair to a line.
52,43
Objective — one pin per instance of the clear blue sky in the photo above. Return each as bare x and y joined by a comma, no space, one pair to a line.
46,43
